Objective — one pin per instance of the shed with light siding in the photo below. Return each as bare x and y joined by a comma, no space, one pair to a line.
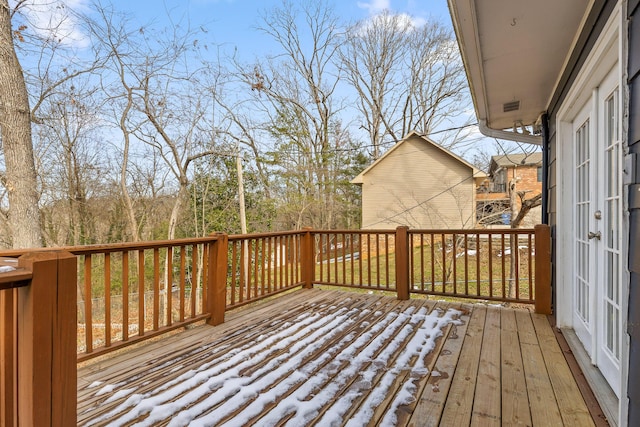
420,184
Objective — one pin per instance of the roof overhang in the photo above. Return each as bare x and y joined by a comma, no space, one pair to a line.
514,53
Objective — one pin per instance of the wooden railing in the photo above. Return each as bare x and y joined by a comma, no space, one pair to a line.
494,265
263,265
129,292
94,299
37,341
489,265
134,291
355,259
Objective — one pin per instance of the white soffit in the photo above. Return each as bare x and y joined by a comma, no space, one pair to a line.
514,52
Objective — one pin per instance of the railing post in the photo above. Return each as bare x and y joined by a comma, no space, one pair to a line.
543,269
7,358
402,262
217,280
307,261
47,371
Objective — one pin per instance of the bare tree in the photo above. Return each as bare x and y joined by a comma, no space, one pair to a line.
295,94
407,77
15,126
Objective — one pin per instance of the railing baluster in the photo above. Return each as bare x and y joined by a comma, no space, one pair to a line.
125,295
466,264
444,262
262,269
234,274
169,286
183,268
194,279
490,240
503,257
270,263
478,255
516,267
378,258
386,260
88,319
141,313
255,266
206,268
529,267
360,255
454,255
422,262
156,289
107,299
433,263
352,252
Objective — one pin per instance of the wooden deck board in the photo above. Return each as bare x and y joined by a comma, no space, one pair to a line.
457,410
544,408
487,402
573,411
515,402
429,406
320,357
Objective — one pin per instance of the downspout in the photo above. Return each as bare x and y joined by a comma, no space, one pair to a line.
545,168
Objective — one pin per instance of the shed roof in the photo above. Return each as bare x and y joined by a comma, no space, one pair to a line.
413,134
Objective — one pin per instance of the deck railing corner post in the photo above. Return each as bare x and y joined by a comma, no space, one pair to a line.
217,280
47,317
307,258
402,262
543,269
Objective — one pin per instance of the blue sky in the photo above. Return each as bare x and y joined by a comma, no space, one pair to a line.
233,23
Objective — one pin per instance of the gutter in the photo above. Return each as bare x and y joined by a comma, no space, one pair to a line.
542,140
508,135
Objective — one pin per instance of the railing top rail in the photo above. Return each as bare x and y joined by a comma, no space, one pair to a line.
16,278
233,237
474,231
361,231
114,247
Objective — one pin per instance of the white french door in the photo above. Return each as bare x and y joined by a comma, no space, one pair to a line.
597,221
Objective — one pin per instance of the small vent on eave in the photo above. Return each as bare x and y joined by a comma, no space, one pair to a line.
511,106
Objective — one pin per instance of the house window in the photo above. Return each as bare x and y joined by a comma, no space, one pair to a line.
539,173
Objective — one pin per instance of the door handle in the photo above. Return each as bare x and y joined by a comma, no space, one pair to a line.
596,235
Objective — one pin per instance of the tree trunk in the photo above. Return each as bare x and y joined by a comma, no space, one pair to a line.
15,127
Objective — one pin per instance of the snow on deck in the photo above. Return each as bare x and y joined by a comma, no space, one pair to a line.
330,361
330,358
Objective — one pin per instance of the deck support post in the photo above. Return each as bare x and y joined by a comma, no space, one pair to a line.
217,280
307,258
46,320
543,269
402,262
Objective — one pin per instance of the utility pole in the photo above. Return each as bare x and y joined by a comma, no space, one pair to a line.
243,225
243,215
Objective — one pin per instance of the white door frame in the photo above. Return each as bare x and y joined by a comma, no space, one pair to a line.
609,51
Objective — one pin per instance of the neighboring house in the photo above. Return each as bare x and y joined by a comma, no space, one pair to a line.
493,197
566,75
420,184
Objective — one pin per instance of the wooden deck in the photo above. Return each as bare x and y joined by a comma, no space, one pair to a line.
335,358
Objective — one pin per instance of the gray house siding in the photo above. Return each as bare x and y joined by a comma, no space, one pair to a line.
633,326
598,17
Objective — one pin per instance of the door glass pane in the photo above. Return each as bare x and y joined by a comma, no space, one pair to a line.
612,223
582,208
